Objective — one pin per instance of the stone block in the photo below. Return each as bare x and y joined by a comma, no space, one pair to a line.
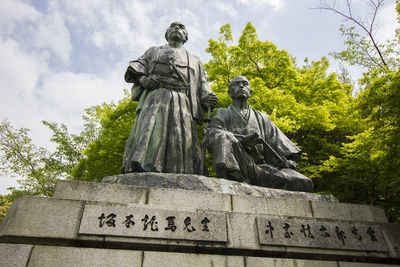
391,233
242,231
209,184
102,192
277,262
148,222
83,257
42,217
330,253
362,264
311,233
348,212
186,200
167,259
14,255
280,207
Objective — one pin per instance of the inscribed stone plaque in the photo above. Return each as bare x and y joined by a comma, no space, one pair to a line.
153,223
320,234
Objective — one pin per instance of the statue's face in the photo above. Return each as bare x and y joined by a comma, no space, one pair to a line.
176,32
239,88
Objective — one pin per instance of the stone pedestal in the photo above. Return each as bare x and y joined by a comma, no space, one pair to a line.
131,220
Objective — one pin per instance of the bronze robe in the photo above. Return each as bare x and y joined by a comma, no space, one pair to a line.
253,165
163,137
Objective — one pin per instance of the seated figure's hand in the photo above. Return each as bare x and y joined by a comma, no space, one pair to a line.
149,82
211,101
291,164
250,139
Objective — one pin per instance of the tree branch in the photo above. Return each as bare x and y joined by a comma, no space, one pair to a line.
323,5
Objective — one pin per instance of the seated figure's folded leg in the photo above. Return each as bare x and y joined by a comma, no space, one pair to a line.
231,161
285,178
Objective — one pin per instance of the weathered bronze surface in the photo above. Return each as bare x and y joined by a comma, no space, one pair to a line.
172,91
248,147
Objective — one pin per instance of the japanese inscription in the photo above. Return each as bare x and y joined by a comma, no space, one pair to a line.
155,223
320,234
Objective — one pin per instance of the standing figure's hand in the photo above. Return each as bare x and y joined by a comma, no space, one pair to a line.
149,82
211,101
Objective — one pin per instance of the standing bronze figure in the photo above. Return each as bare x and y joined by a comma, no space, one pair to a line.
172,91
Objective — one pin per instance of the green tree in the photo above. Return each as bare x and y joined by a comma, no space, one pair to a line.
362,47
38,168
368,167
103,155
6,201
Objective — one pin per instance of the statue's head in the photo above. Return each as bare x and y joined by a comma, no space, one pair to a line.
239,87
177,32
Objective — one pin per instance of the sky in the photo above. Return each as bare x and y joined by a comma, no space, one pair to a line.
59,57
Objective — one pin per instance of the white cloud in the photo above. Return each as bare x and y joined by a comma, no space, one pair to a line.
19,71
226,8
52,34
275,4
68,94
12,11
387,23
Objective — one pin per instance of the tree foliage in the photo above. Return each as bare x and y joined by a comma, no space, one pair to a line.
103,155
362,46
367,170
39,168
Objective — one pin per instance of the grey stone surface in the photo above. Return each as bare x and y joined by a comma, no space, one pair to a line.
349,212
14,255
168,259
280,207
320,234
90,191
188,200
42,217
243,231
276,262
331,253
392,234
34,220
202,183
153,223
83,257
362,264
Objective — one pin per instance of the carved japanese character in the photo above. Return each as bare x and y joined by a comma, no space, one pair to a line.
153,223
371,234
324,231
288,234
270,229
355,233
188,226
171,223
306,231
204,222
109,220
340,234
129,221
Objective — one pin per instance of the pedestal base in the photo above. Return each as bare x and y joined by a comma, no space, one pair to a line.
109,224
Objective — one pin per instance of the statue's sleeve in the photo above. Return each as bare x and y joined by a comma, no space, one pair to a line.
279,141
139,67
222,143
203,88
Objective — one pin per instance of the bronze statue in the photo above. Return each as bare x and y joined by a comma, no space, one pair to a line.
248,147
172,91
